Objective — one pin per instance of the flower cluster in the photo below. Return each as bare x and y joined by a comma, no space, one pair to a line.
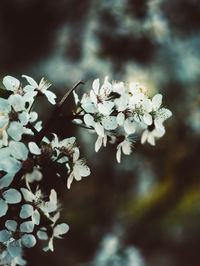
117,111
27,213
28,210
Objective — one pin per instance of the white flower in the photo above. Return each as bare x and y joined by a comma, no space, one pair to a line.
47,207
10,123
150,136
160,116
14,246
101,124
79,169
58,230
100,140
42,87
99,96
124,146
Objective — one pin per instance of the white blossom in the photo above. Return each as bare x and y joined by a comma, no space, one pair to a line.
79,169
42,87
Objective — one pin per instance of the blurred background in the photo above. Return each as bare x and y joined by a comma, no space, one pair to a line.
146,210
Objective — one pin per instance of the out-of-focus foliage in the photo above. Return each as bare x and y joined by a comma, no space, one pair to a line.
150,202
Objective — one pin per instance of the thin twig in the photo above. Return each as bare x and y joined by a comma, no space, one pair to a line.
62,101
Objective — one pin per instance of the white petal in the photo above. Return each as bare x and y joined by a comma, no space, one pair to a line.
33,117
26,211
36,217
48,207
106,107
89,120
53,196
10,165
126,147
4,236
144,136
33,147
17,102
99,129
60,229
69,180
18,150
50,96
77,174
95,86
164,113
50,244
159,124
11,225
42,235
5,138
76,154
109,122
15,130
76,98
12,196
120,119
129,127
98,143
147,119
31,81
6,180
24,118
27,227
84,170
156,101
44,84
28,195
11,83
28,240
118,154
151,139
3,122
3,208
14,248
105,140
36,175
4,106
89,107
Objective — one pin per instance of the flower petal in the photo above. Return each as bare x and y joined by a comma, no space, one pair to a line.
18,150
27,227
3,207
11,83
4,236
26,211
11,225
60,229
12,196
28,240
156,101
33,147
15,130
